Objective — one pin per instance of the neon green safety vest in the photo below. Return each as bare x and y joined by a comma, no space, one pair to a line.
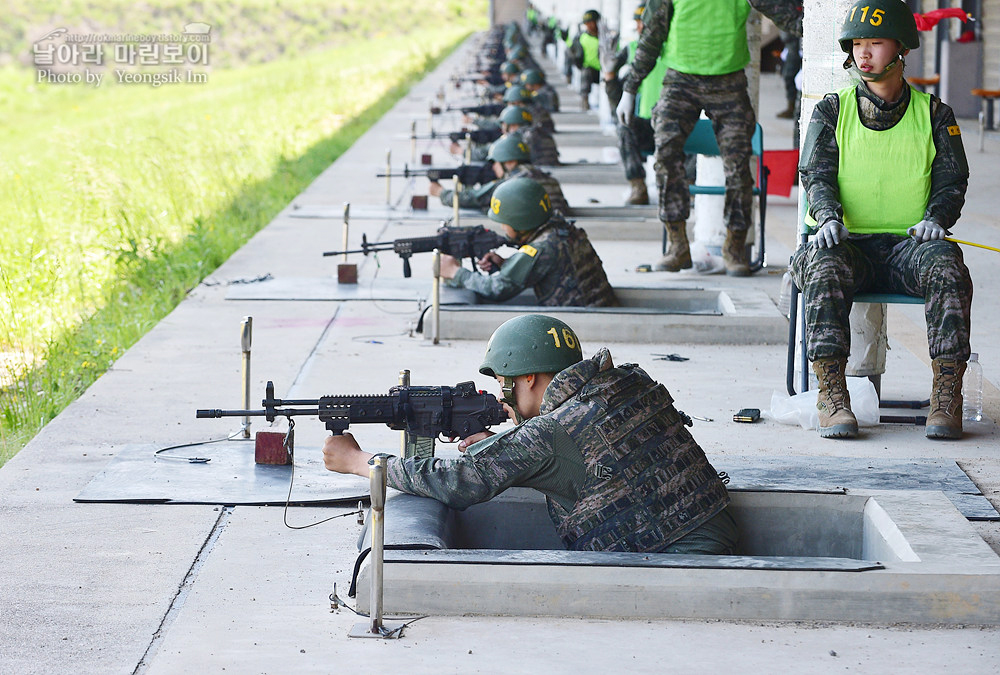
884,176
649,88
591,53
708,37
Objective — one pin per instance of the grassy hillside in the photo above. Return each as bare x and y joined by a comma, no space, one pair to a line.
123,197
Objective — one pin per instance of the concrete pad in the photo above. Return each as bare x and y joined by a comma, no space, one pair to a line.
931,567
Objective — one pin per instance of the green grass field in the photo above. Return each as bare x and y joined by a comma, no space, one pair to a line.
123,197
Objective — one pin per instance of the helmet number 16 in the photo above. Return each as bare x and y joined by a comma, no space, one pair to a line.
875,19
568,338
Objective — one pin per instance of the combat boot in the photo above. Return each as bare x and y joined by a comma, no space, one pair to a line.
585,103
833,401
678,255
734,253
945,419
639,193
788,113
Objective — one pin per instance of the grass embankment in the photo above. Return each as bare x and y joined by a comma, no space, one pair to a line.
122,198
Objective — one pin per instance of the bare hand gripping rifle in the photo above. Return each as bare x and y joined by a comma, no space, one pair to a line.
459,242
429,412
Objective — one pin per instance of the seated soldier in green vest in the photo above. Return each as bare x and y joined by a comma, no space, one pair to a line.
603,443
555,257
885,174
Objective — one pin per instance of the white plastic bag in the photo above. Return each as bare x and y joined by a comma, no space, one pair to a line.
801,408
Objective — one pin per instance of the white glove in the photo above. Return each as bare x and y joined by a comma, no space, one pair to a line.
626,108
830,234
926,230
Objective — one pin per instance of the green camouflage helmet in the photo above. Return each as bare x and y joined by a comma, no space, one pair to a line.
891,19
532,76
637,15
521,203
509,68
516,95
530,343
512,114
517,53
591,15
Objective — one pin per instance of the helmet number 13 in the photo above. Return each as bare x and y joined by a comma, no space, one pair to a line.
875,19
568,338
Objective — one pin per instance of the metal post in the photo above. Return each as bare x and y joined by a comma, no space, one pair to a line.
347,221
436,296
375,627
413,142
404,381
245,339
388,177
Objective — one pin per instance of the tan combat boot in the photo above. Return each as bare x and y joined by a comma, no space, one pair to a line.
734,253
945,419
834,402
678,255
639,193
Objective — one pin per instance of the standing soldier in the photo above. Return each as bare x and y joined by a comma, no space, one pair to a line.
885,173
585,56
704,44
555,258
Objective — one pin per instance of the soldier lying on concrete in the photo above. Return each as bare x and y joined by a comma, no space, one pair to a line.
885,173
604,444
555,258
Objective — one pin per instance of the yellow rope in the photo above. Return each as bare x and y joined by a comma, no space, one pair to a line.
969,243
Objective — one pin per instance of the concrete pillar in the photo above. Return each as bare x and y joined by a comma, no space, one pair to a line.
823,72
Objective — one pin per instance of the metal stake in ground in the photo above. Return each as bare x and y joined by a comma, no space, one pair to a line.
375,628
245,339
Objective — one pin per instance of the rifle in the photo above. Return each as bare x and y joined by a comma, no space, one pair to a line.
486,109
480,136
460,242
427,412
467,174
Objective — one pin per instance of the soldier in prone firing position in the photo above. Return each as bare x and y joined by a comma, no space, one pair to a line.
511,159
603,443
555,257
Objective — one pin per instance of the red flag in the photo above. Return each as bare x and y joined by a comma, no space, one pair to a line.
928,20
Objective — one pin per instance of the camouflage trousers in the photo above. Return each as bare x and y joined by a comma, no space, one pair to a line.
635,141
588,78
725,101
885,263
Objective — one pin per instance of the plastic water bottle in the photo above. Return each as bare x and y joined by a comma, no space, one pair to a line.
972,390
785,296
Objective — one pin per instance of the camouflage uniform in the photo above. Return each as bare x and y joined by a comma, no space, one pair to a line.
478,197
635,139
541,117
724,99
541,144
547,98
558,262
618,468
934,270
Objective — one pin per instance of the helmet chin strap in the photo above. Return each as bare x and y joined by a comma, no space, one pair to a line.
889,70
508,397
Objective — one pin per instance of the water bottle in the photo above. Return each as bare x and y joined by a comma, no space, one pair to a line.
972,390
785,296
